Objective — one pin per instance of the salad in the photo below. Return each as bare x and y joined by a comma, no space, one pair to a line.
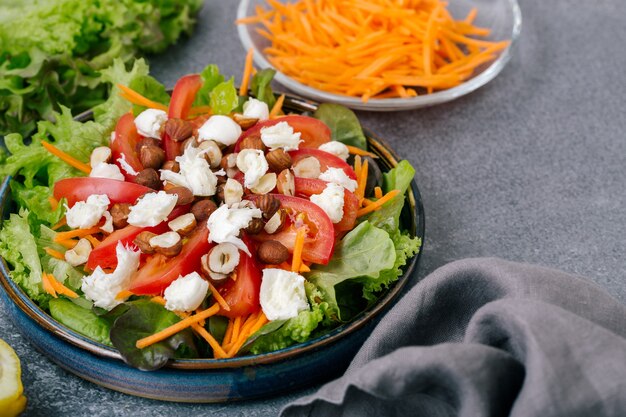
206,224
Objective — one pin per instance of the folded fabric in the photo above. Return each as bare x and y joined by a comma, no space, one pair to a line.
487,337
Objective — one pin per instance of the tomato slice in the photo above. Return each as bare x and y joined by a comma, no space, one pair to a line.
104,254
159,272
314,132
183,96
320,241
242,294
326,160
79,189
123,145
308,186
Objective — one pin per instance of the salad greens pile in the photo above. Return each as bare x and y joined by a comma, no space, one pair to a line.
52,52
366,261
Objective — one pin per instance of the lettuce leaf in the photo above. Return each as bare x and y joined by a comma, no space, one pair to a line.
261,86
224,97
82,320
343,124
211,77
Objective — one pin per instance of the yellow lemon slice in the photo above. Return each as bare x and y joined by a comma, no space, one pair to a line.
12,402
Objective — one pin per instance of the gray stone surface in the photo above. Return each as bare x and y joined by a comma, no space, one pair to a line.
529,168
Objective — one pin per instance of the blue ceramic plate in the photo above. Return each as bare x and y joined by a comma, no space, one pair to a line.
211,380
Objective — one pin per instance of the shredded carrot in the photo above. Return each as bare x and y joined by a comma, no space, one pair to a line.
217,349
297,250
55,253
278,106
236,329
60,224
60,288
377,204
47,285
358,151
124,294
252,326
351,47
247,70
75,233
94,242
69,243
66,157
378,192
304,268
136,98
357,166
177,327
229,333
200,110
54,203
218,297
362,181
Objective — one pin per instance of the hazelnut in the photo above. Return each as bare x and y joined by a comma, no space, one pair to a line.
183,225
252,142
185,196
151,156
147,142
178,129
168,244
308,167
272,252
79,254
268,204
171,166
99,155
216,277
120,212
223,258
212,152
245,122
286,183
203,209
233,191
276,222
219,192
229,161
266,184
148,177
143,242
255,226
189,142
278,160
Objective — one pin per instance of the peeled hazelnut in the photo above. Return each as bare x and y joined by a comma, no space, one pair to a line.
276,222
185,196
278,160
229,161
266,184
79,254
286,183
151,156
203,209
178,129
252,142
171,166
272,252
268,204
223,258
168,244
143,242
255,226
308,167
204,266
120,212
233,191
149,178
189,142
212,152
99,155
183,225
245,122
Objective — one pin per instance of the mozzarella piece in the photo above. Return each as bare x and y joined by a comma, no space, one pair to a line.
107,227
186,293
152,209
336,148
338,176
282,294
280,135
149,123
103,288
86,214
225,223
221,129
195,173
104,170
331,201
256,109
126,166
253,164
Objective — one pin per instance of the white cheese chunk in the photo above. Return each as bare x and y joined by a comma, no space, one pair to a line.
331,201
86,214
195,173
336,148
220,129
103,288
104,170
338,176
149,123
256,109
186,293
107,227
280,135
152,209
282,294
253,164
225,223
126,166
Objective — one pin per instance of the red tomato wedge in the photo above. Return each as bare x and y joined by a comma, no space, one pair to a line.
313,132
306,187
242,294
326,160
320,240
183,95
80,188
104,254
123,145
159,272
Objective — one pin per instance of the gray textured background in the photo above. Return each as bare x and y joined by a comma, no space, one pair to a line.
529,168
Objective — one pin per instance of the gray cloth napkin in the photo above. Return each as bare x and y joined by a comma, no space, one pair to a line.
487,337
